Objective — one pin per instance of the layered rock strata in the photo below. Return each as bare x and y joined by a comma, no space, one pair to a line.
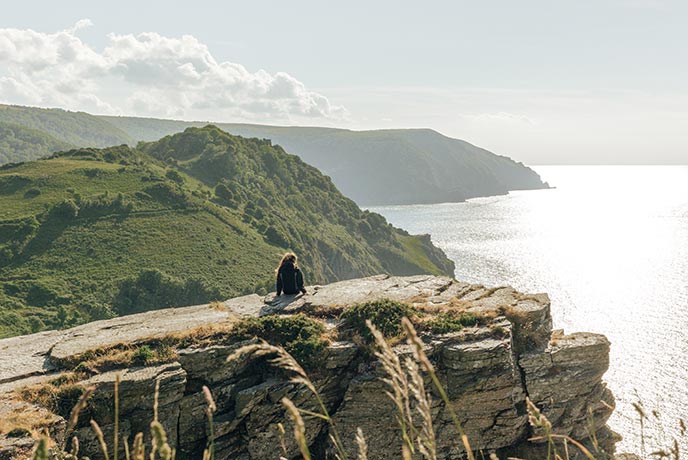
487,371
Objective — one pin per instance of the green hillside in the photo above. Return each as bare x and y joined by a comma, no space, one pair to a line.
195,216
404,166
380,167
75,128
18,144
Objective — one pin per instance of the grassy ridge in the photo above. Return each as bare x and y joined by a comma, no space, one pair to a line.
18,143
90,233
74,128
403,166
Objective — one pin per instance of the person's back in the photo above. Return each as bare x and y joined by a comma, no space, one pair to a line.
289,277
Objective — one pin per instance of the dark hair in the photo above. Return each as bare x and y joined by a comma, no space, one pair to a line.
287,257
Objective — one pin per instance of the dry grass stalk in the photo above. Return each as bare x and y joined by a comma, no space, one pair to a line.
139,449
362,445
75,447
116,433
398,385
155,400
101,438
281,359
281,431
76,410
425,364
209,451
285,361
299,428
160,445
538,420
426,438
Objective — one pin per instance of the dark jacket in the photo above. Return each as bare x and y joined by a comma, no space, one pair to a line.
289,279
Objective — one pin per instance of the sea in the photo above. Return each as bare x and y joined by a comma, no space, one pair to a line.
609,244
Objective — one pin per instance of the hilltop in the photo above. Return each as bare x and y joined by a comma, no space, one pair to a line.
399,166
18,144
379,167
78,129
200,215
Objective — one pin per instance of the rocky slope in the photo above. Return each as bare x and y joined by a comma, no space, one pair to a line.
487,369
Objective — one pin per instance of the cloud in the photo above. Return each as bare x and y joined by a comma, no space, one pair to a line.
147,74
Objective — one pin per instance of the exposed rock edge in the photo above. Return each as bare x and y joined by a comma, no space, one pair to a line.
487,371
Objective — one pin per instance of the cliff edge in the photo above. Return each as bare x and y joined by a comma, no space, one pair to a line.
488,368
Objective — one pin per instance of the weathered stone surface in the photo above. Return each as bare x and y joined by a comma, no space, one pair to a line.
350,292
486,370
36,354
22,415
26,356
136,327
565,382
137,398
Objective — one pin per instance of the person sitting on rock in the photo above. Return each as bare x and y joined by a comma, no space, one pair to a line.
289,277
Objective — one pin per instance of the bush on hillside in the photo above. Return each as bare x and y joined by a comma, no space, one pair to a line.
385,315
153,289
300,335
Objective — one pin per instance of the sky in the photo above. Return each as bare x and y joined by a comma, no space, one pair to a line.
545,82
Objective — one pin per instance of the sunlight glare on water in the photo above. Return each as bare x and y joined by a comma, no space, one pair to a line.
610,247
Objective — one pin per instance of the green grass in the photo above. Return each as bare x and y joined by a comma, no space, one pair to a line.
385,315
299,335
200,207
450,321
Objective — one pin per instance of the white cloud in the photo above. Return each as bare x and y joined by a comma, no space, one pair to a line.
147,74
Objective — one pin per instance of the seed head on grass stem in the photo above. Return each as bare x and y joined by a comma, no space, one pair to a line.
299,428
209,452
425,364
101,438
285,361
76,410
362,445
397,383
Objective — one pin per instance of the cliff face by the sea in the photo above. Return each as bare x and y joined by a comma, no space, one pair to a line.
488,370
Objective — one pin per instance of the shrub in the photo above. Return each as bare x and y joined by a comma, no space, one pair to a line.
300,335
450,321
152,289
143,355
174,176
385,314
66,209
32,192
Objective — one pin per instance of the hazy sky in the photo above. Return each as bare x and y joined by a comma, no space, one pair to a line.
542,81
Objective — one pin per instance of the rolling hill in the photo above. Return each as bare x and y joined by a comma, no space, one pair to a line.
404,166
379,167
199,215
18,144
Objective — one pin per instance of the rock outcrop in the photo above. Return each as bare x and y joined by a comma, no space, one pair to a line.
487,370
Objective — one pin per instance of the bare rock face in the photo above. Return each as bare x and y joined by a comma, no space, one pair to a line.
487,371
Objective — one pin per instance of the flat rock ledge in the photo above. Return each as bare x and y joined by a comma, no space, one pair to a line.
487,371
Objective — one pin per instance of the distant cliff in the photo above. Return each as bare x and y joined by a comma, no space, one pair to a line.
399,166
380,167
488,366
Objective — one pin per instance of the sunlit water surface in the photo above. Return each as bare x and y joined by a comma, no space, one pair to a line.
610,247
